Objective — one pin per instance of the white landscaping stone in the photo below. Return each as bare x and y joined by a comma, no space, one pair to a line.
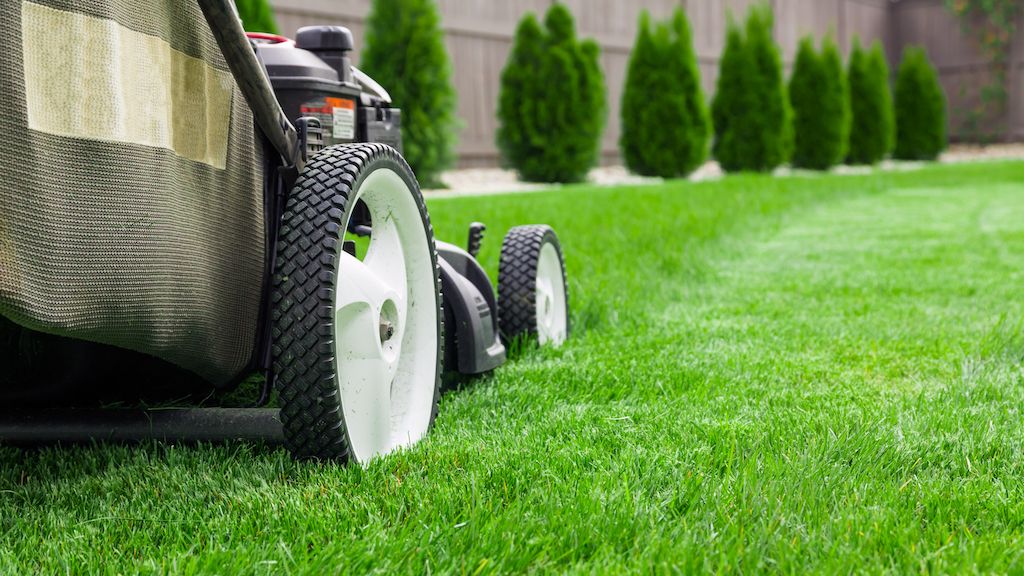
487,181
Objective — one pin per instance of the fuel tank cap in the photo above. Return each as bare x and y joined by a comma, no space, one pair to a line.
324,39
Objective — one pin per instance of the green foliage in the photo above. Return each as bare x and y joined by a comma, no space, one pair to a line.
920,109
405,52
665,125
551,108
643,136
769,88
992,23
817,92
873,130
519,101
256,16
594,99
805,95
750,111
730,99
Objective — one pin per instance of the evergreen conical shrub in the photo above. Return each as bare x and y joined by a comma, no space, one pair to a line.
519,122
256,16
878,70
551,107
804,95
751,110
838,99
730,101
405,52
769,90
642,139
920,109
696,122
664,120
593,98
817,92
871,127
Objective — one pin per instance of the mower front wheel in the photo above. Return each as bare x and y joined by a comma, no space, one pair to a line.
357,341
533,300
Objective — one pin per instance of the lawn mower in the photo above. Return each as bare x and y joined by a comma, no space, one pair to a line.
184,205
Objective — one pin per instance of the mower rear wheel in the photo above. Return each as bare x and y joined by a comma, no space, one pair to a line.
533,300
357,342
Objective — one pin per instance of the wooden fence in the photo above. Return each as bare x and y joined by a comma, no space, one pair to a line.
479,35
963,68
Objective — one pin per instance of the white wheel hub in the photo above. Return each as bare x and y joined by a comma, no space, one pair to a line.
386,340
552,321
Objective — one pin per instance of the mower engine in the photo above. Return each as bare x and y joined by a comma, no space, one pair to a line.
313,77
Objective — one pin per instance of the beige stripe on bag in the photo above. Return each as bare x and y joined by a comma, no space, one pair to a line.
94,79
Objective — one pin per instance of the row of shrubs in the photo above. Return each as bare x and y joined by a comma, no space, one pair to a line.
826,115
552,106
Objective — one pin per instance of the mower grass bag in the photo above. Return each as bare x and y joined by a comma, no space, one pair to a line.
131,184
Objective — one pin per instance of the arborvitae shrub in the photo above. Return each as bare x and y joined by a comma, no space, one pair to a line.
878,70
751,111
697,131
405,52
872,129
518,85
664,120
731,99
818,95
256,16
804,94
838,100
642,141
770,91
594,99
920,109
551,107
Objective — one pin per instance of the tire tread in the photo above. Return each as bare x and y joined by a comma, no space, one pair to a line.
311,234
517,279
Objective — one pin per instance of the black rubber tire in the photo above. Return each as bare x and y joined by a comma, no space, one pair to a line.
311,236
517,280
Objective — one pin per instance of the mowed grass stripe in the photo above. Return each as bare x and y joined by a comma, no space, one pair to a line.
797,375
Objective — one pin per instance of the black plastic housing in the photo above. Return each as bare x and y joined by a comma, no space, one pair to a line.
313,77
471,330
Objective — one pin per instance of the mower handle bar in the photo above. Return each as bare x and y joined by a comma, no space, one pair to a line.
252,79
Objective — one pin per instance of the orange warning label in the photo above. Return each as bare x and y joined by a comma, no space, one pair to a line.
337,116
341,103
327,106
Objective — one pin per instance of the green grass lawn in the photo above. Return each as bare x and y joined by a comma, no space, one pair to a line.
786,375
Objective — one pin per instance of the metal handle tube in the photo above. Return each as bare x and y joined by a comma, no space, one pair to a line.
186,425
227,30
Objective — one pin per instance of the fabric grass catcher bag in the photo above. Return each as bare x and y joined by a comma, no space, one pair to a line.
131,201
